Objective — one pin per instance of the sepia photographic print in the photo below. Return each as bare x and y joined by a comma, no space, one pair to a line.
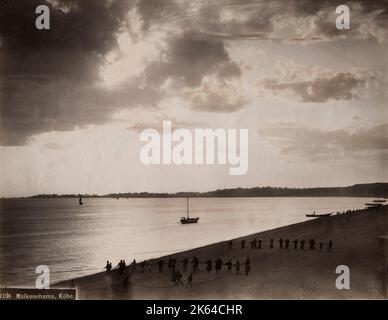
193,150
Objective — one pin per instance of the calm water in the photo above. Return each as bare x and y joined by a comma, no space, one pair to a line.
76,240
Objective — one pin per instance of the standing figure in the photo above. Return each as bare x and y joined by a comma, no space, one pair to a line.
330,245
133,265
195,263
160,265
209,266
311,244
189,280
242,244
259,243
108,267
302,243
271,243
229,265
295,242
287,243
218,265
247,266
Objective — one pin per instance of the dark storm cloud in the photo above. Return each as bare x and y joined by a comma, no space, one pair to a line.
338,86
37,105
318,144
47,76
73,47
188,59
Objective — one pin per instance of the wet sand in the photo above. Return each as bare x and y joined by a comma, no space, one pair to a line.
276,273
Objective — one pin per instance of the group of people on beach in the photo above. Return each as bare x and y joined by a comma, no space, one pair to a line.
283,243
217,264
120,266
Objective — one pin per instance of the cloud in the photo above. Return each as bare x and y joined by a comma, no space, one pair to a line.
317,144
30,106
280,20
75,44
58,79
215,95
188,58
318,85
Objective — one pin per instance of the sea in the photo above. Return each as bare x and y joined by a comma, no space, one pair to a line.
74,240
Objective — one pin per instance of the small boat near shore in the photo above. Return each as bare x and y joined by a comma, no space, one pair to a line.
374,204
315,215
187,219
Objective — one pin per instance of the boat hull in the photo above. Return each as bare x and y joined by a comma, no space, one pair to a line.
318,215
189,220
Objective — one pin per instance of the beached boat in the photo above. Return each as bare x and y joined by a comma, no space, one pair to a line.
187,219
379,201
314,215
374,204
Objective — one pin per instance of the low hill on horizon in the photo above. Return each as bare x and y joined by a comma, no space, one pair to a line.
358,190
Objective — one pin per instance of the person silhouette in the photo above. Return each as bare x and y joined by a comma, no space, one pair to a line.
311,244
108,267
160,265
189,280
209,266
218,265
229,265
247,266
195,262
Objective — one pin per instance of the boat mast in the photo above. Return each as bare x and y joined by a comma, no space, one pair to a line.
187,206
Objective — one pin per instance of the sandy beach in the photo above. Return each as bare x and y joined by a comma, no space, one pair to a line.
276,273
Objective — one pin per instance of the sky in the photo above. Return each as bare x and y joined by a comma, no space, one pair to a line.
74,99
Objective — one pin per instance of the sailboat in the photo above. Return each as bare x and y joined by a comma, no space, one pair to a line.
187,219
80,201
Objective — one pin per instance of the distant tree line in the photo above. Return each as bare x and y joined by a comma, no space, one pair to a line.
357,190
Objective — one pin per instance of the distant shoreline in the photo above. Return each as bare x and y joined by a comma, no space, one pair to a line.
367,190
